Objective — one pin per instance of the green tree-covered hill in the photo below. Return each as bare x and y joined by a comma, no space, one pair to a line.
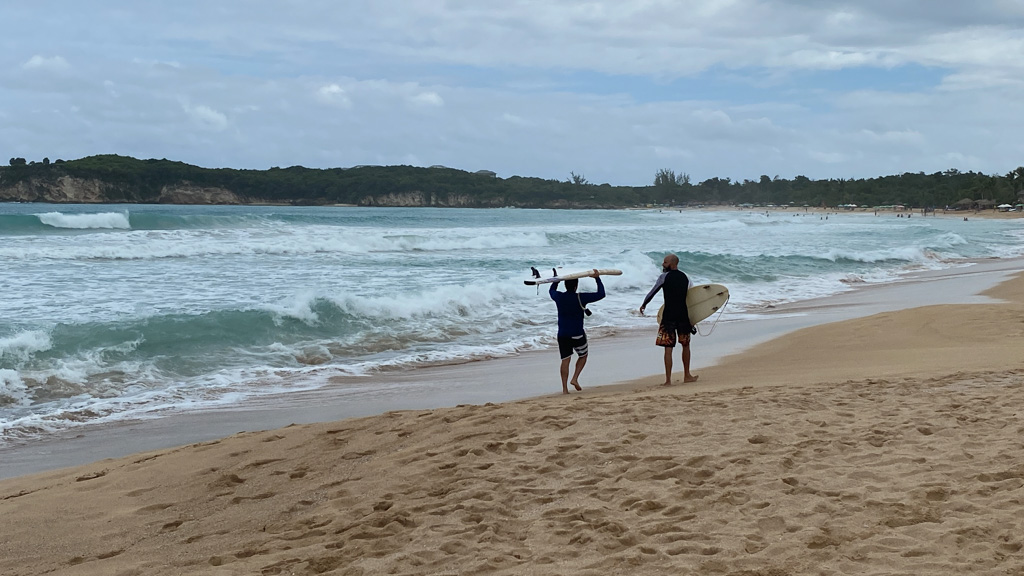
126,179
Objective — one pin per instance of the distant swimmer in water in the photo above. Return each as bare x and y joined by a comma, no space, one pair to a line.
571,337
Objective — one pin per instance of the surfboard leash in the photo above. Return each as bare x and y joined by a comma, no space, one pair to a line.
718,316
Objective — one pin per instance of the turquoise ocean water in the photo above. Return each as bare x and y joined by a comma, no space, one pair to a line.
112,312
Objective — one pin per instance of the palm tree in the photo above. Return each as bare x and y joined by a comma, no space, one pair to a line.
1017,181
1016,178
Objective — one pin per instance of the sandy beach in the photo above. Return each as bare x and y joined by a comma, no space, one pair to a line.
881,444
886,213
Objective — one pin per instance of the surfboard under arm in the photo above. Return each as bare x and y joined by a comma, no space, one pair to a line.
702,301
572,276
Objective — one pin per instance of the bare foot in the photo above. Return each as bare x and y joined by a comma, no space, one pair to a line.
576,385
690,378
669,383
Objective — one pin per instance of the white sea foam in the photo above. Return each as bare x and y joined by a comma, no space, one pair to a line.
476,240
12,389
902,254
410,289
117,220
451,302
20,347
299,308
160,244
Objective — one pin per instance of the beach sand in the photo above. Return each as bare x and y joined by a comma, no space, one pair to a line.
914,213
890,444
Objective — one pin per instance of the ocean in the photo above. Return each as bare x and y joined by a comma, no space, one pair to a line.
113,312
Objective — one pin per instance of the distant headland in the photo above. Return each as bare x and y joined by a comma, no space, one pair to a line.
122,179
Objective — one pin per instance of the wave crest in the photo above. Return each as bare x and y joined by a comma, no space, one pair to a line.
111,220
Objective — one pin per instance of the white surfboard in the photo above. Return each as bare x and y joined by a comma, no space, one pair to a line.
572,276
702,301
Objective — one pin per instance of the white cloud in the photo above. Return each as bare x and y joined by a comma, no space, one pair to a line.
206,117
827,157
670,153
959,159
427,99
515,119
898,137
334,95
52,63
154,63
615,90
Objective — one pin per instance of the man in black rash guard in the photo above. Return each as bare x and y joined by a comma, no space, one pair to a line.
571,337
675,319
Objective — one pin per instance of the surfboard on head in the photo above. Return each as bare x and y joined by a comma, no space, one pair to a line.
702,301
570,276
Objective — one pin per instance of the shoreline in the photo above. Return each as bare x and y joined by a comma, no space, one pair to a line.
613,366
960,214
980,213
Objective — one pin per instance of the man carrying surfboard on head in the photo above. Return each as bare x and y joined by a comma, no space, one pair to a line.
675,319
571,337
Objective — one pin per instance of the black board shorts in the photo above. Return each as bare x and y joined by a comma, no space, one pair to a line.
568,344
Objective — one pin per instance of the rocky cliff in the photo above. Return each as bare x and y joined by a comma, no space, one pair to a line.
71,190
74,190
188,194
61,190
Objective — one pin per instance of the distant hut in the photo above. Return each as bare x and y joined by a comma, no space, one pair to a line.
964,204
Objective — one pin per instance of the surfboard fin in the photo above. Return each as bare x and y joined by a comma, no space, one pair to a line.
536,273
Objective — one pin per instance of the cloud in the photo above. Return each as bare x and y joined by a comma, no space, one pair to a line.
673,154
334,95
51,64
827,157
155,63
515,119
206,117
427,99
615,90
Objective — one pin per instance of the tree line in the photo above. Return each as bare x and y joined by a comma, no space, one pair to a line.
134,180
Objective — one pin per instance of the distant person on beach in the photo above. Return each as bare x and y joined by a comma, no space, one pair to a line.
675,319
571,337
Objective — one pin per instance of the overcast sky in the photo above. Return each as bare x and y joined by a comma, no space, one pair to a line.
613,90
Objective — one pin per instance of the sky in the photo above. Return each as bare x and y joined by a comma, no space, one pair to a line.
611,90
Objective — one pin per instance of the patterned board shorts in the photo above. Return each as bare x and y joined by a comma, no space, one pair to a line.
667,336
